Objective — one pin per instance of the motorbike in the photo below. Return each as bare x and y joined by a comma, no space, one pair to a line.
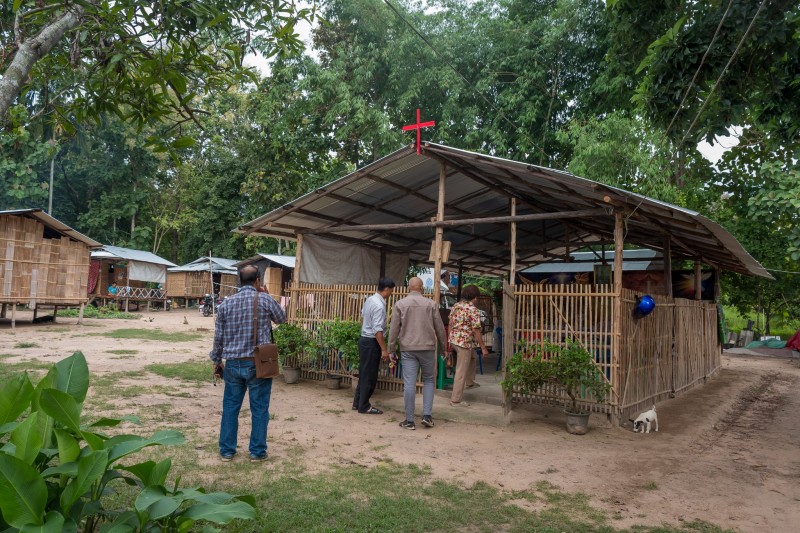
207,307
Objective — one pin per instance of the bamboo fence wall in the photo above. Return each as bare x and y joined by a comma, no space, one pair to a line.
310,306
36,270
198,284
661,355
555,313
667,352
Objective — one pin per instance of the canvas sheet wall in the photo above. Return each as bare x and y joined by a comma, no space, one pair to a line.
330,262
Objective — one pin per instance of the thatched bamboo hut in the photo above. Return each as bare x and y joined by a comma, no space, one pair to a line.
139,276
475,213
45,262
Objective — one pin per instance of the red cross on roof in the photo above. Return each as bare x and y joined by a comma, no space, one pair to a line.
418,126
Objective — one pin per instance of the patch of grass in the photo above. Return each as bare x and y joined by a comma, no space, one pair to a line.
99,312
26,345
194,371
149,335
650,486
123,352
32,366
291,419
337,412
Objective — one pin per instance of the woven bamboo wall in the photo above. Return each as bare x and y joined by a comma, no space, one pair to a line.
176,284
312,305
228,284
582,313
35,270
651,369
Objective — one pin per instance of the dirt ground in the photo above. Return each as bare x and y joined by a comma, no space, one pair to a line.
727,452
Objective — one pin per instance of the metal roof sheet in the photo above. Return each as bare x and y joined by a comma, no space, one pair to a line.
218,265
403,188
54,224
128,254
283,260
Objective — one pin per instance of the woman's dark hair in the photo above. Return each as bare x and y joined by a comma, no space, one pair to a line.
470,292
385,283
248,275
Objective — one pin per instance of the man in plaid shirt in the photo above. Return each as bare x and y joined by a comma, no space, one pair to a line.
233,341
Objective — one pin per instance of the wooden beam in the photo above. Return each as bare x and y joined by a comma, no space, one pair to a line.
667,253
583,213
698,281
297,260
512,271
437,267
616,346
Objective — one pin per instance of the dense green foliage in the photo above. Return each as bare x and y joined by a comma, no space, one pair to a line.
292,341
619,91
58,472
341,337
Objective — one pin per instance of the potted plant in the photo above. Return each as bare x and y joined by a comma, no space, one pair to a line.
569,365
292,341
341,337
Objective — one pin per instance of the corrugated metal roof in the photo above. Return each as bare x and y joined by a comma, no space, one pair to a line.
585,262
284,260
54,224
128,254
402,188
218,265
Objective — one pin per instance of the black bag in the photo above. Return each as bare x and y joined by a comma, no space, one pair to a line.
265,355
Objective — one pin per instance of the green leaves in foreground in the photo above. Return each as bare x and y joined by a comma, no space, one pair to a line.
55,469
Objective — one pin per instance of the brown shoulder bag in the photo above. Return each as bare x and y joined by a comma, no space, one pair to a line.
265,355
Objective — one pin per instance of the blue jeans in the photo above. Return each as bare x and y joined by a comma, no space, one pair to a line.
240,376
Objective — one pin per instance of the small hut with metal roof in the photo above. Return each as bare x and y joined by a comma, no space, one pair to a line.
275,271
46,262
204,275
487,215
139,275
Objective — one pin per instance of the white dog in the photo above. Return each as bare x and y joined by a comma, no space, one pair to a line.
643,421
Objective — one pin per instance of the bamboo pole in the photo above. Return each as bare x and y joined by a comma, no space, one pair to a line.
667,253
211,276
512,273
14,316
581,213
437,265
698,282
616,347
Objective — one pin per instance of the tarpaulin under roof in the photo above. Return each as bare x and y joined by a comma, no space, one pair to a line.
401,191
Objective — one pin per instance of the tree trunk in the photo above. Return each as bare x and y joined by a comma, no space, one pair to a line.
31,51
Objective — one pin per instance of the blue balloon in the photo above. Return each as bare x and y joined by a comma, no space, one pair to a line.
644,305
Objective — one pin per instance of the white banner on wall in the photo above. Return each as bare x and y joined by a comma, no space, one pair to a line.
139,271
329,262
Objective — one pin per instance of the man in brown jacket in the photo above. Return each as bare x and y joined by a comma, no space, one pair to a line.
416,323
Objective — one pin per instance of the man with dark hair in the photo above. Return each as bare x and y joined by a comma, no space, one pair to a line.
372,346
233,341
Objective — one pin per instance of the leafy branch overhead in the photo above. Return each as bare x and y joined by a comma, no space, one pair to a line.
144,61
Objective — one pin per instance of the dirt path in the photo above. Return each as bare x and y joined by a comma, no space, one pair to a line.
726,452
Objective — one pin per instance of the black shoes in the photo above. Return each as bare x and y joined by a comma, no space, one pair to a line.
408,424
427,421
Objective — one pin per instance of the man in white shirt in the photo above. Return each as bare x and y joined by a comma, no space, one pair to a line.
372,346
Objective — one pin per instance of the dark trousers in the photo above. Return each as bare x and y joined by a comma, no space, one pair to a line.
369,359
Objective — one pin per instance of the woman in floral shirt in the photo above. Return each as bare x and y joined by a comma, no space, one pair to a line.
465,326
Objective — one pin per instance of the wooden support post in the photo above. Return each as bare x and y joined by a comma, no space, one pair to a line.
512,271
509,324
437,265
80,313
3,310
127,300
297,261
55,312
35,312
460,280
698,280
667,253
14,315
616,342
